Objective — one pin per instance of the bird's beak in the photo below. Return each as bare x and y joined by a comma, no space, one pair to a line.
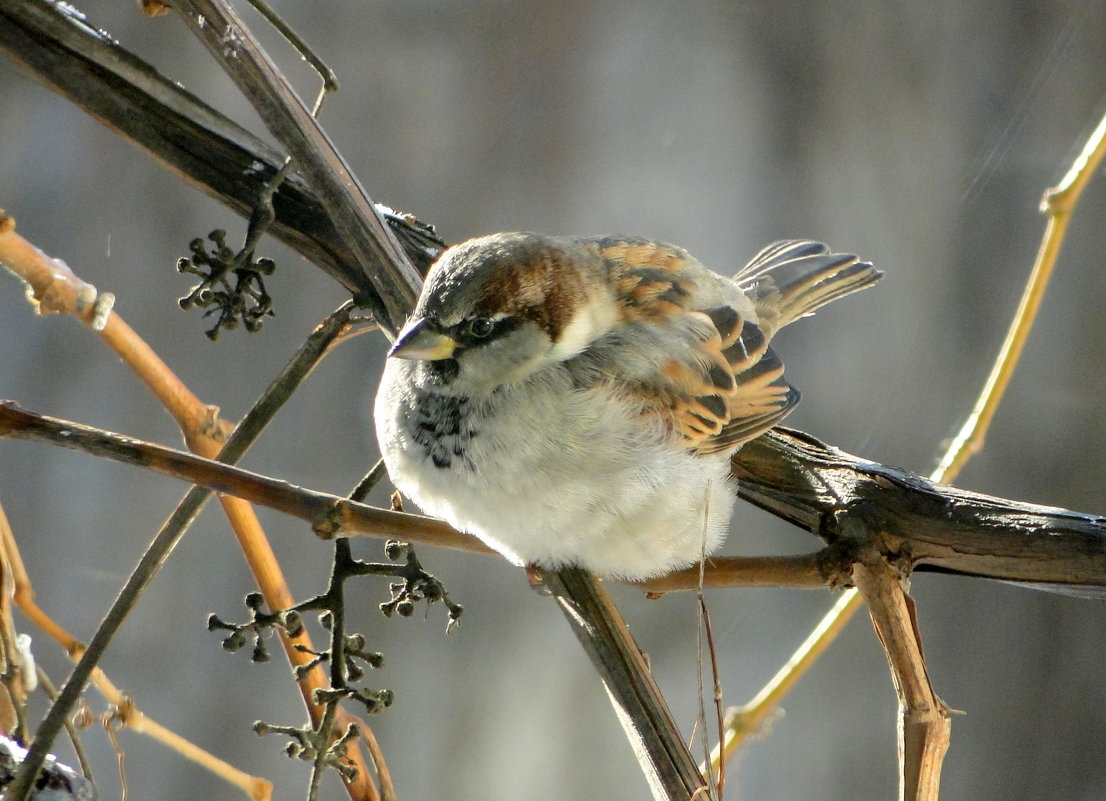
418,340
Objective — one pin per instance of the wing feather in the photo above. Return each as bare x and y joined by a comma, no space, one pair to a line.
710,374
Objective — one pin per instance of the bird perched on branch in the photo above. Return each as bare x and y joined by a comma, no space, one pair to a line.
576,400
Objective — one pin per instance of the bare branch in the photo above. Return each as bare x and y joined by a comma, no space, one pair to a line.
923,525
669,767
924,723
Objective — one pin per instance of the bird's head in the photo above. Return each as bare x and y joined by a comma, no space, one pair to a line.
497,309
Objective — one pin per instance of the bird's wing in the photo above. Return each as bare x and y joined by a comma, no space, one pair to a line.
708,372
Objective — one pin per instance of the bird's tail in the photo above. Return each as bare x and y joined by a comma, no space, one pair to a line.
790,279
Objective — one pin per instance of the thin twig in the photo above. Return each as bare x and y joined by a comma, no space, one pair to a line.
11,677
329,79
383,775
370,480
716,775
74,739
1059,203
743,721
319,765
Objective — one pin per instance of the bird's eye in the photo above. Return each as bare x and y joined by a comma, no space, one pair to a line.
480,327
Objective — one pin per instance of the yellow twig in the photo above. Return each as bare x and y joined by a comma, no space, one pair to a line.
1059,204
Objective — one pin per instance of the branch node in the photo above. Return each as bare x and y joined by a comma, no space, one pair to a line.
101,310
329,522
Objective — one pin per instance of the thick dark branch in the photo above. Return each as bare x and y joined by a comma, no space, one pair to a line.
920,523
176,128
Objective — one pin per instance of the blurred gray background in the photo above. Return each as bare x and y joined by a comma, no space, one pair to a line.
918,135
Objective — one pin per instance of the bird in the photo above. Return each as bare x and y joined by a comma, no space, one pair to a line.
574,401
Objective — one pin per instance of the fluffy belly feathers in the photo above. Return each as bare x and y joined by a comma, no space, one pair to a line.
550,503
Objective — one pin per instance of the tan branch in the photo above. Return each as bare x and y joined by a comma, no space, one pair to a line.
53,287
925,524
924,723
1059,204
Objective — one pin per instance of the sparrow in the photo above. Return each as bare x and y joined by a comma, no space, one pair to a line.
575,401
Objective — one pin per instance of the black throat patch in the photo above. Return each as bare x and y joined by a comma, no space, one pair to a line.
443,428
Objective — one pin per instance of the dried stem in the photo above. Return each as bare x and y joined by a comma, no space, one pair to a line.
13,710
925,725
668,765
387,787
70,728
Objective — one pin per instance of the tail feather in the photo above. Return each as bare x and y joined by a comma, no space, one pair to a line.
791,279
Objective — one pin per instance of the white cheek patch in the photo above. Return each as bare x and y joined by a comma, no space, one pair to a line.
591,321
